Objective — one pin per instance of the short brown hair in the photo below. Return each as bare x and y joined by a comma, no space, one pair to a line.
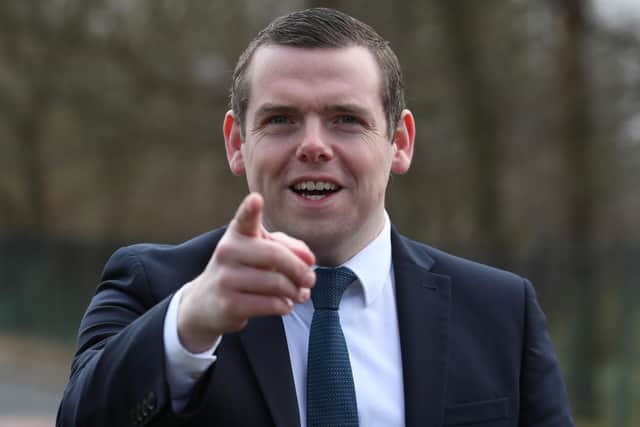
323,28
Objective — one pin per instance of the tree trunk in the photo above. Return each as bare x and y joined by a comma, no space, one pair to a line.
574,126
30,132
478,109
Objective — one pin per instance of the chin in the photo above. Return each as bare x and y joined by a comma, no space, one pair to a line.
317,237
329,246
315,233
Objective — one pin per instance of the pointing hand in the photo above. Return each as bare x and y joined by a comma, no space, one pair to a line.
251,273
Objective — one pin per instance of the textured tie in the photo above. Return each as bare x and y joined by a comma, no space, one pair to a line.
331,397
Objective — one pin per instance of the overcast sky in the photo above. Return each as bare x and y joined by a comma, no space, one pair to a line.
619,12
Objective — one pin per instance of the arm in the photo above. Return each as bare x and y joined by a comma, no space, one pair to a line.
119,375
184,368
543,396
118,370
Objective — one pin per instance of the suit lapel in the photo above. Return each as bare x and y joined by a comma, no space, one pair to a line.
423,300
268,355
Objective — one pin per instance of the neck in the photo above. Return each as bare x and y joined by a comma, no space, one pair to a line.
332,254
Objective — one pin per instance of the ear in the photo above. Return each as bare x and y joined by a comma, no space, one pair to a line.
403,143
233,143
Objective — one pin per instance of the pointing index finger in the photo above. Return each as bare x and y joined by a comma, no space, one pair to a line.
248,217
296,246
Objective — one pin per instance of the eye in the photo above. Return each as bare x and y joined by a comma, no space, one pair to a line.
278,120
278,124
347,119
348,123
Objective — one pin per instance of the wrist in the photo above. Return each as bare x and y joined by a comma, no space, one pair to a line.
192,336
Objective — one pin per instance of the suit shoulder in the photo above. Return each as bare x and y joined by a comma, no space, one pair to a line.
196,247
162,267
464,271
446,260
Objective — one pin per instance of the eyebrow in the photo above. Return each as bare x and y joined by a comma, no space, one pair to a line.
354,109
269,108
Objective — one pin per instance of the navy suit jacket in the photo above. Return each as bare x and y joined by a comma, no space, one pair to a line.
475,348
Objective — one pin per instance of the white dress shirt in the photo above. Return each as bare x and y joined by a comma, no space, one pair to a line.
369,322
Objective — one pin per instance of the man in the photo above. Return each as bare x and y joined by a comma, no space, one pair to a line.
218,330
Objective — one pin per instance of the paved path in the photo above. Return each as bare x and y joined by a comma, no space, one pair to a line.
33,373
26,421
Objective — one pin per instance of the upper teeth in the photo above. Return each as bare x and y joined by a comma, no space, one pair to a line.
317,185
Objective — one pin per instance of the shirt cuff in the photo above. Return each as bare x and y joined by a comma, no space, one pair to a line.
183,367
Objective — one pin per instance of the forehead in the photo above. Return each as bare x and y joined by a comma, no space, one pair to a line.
314,75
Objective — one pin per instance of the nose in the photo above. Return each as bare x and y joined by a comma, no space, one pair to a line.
314,147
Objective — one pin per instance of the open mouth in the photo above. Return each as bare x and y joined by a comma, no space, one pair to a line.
315,190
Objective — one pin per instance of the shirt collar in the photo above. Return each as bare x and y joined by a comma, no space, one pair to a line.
373,262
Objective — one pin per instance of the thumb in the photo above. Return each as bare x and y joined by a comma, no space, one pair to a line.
248,217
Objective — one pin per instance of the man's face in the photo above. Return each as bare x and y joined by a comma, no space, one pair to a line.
316,146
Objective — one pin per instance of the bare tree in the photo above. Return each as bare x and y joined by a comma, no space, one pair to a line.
575,129
479,115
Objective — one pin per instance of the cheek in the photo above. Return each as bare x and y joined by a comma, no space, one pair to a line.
253,167
264,165
377,166
379,177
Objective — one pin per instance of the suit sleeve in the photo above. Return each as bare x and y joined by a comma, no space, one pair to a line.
117,374
543,396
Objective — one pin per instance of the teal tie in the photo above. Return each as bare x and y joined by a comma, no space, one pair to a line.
331,396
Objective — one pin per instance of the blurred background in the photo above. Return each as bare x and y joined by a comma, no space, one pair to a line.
527,157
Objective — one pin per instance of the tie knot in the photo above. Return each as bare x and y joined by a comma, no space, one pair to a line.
330,285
